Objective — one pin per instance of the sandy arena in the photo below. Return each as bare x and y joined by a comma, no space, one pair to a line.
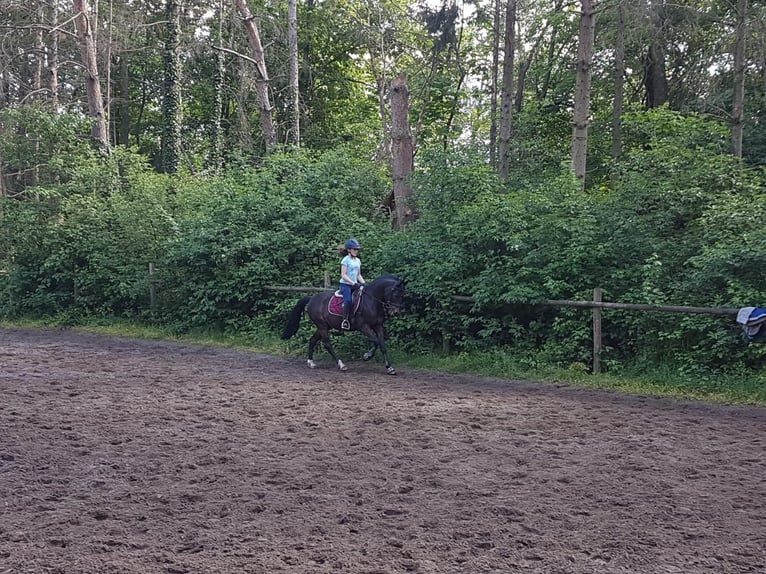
126,456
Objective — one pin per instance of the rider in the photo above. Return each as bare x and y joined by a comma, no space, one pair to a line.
350,277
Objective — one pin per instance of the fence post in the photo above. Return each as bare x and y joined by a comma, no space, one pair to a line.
327,279
597,332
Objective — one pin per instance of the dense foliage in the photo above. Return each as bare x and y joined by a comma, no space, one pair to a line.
680,225
666,214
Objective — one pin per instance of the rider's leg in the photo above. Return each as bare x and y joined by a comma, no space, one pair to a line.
346,291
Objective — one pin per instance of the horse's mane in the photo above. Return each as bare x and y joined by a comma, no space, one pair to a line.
379,283
387,277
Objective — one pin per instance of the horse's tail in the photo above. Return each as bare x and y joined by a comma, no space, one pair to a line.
294,318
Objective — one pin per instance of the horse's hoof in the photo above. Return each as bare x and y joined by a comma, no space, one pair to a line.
311,364
367,356
391,371
342,366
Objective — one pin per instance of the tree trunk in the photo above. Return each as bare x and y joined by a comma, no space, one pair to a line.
292,49
551,56
109,99
215,159
506,105
123,101
518,100
53,58
262,82
384,147
171,103
586,41
402,153
494,86
655,73
738,106
619,82
37,87
92,84
2,174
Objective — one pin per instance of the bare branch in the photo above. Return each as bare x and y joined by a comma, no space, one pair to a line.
237,54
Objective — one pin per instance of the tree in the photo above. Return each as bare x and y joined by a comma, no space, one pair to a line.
493,83
401,152
655,74
294,91
215,157
619,81
171,107
738,113
53,55
90,65
262,81
506,104
582,87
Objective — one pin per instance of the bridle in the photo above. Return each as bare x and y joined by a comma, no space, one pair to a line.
389,309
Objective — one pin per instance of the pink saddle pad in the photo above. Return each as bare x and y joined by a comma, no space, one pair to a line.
335,305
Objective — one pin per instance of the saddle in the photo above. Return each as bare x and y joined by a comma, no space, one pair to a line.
335,305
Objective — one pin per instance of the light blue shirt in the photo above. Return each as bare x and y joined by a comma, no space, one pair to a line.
353,266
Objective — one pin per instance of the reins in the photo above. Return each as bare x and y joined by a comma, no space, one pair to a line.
388,307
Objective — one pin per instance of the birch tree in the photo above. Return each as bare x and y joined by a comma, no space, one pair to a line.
294,135
53,56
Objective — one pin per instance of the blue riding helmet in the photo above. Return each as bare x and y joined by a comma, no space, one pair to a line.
353,244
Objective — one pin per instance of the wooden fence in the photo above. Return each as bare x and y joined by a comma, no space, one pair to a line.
596,304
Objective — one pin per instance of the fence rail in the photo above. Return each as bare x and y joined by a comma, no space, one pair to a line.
596,304
624,306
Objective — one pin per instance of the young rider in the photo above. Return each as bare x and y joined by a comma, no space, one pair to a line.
350,277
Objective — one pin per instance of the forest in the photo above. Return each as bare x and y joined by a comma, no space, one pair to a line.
168,161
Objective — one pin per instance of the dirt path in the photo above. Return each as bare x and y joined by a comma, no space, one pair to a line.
124,456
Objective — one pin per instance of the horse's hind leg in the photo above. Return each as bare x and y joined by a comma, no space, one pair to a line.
312,345
378,338
330,349
381,336
371,353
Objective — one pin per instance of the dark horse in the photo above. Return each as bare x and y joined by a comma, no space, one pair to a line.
379,300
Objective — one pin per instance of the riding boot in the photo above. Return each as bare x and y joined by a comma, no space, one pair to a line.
346,312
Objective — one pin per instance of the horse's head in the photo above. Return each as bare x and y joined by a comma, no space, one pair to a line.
389,290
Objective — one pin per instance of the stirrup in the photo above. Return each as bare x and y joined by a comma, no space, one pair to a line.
345,325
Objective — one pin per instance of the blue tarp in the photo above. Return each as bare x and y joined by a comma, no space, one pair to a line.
752,320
